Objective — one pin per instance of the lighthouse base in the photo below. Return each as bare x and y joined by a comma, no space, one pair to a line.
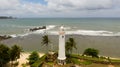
61,62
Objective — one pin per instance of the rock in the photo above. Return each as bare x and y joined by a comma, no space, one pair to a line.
5,37
37,28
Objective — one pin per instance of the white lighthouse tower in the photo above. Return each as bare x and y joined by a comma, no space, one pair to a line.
61,51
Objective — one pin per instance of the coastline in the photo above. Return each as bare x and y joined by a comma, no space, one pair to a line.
107,45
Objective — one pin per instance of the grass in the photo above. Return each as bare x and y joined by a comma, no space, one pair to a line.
97,60
24,65
39,62
50,63
78,60
87,62
115,60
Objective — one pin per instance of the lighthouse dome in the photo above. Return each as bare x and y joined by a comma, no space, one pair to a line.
62,28
61,32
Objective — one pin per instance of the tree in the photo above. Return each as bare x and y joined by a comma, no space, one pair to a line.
91,52
33,57
70,45
15,53
4,55
45,40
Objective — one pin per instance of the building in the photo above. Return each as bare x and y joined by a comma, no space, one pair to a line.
61,50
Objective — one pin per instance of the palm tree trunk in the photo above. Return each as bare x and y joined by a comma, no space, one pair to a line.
1,64
11,63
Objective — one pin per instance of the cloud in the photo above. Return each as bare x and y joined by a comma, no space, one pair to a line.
57,7
9,4
79,4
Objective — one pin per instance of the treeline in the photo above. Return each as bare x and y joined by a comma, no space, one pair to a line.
6,17
8,55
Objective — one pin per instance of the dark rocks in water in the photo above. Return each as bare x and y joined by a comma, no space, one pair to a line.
5,37
37,28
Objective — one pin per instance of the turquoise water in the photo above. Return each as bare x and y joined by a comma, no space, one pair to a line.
18,26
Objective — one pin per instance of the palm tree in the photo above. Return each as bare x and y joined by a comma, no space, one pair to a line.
70,45
15,53
4,55
33,57
45,40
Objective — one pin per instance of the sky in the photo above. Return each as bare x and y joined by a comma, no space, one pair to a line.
60,8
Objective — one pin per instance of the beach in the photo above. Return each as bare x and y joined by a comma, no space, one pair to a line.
107,45
24,56
98,33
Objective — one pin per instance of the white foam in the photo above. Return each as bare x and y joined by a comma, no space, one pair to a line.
94,33
13,36
19,35
41,31
87,32
67,28
78,32
50,27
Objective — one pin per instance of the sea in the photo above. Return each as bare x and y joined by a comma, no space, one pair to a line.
85,26
99,33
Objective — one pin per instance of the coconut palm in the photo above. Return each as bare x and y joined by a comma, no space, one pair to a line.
4,55
15,53
33,57
45,40
70,45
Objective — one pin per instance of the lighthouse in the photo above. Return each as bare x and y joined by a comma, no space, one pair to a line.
61,51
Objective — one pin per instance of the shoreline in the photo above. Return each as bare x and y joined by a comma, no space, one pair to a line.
105,45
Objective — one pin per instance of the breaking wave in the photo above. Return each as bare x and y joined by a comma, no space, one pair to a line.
77,32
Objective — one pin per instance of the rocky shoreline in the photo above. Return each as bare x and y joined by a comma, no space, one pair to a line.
105,44
4,37
37,28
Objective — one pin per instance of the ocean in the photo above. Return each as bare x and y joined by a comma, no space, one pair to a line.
99,33
86,25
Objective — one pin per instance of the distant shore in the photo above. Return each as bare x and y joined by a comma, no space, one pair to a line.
6,17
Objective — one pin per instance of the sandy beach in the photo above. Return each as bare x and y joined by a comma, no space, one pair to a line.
24,56
107,45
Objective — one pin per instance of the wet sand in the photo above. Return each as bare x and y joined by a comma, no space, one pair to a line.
107,45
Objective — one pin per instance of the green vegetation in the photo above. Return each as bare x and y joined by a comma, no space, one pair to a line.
15,53
91,52
9,54
4,55
33,57
45,41
6,17
39,62
70,45
24,65
89,57
75,59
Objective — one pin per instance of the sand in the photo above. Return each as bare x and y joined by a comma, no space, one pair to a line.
107,45
111,66
23,58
